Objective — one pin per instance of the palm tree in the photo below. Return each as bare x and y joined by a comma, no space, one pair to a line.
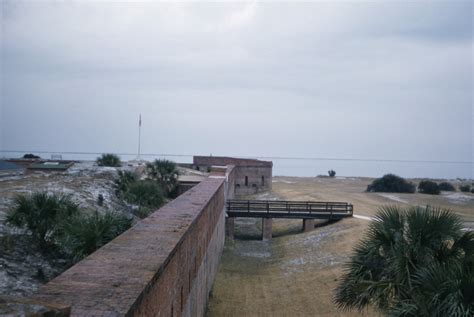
124,181
40,213
82,234
165,173
412,262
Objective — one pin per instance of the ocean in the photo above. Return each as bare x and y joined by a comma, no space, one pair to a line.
305,167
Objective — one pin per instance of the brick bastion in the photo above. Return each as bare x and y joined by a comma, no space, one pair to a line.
165,265
251,176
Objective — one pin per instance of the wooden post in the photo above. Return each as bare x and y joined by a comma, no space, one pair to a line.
308,225
267,228
230,227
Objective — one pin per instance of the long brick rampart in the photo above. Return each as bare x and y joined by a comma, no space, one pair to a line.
163,266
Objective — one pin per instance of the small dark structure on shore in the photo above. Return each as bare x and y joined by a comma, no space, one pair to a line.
34,164
58,166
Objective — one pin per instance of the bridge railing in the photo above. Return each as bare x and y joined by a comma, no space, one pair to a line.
289,208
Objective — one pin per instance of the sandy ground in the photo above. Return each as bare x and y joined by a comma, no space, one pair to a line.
295,273
23,268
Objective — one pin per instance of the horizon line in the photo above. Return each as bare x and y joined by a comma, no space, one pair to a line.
253,157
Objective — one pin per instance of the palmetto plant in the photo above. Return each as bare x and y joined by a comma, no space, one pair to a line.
145,194
164,172
40,212
109,159
412,262
82,234
123,182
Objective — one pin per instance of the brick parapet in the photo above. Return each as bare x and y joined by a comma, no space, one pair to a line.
152,267
224,160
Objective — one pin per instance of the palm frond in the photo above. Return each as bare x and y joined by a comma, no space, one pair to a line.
411,262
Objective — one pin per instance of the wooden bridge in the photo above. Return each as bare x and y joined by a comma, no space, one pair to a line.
308,211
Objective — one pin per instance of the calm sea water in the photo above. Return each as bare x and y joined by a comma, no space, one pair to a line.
309,167
373,169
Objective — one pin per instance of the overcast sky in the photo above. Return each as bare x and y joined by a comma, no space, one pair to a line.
389,80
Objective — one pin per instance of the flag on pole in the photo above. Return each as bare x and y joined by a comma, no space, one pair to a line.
140,120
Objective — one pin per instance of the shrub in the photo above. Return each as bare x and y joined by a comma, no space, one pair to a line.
428,187
472,190
40,213
111,160
448,187
165,173
411,262
391,183
82,234
332,173
147,195
143,212
30,156
122,183
465,188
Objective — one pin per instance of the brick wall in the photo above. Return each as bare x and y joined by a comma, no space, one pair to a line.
258,179
224,160
251,176
164,266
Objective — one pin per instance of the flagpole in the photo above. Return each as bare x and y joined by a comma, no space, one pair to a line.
139,134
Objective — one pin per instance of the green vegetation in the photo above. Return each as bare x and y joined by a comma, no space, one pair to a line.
111,160
122,183
6,242
412,262
429,187
165,173
332,173
82,234
447,187
391,183
148,195
40,213
30,156
56,223
465,188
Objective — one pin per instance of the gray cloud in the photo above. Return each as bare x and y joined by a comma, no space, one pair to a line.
384,80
